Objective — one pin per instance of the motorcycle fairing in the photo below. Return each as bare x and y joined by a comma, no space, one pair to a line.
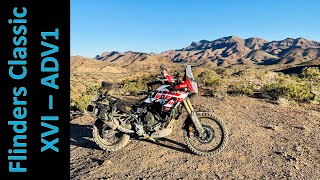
166,97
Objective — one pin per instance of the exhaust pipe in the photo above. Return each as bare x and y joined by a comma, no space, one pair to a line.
114,124
111,124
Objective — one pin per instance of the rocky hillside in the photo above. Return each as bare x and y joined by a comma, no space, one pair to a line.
118,62
234,50
132,59
228,51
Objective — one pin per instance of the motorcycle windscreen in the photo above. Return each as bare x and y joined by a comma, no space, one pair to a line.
189,74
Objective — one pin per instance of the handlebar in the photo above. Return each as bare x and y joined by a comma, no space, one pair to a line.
168,78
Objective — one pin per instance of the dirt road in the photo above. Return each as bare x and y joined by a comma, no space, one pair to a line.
266,141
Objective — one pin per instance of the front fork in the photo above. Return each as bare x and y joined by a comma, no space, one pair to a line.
193,115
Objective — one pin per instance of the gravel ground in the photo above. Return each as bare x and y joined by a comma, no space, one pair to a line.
266,141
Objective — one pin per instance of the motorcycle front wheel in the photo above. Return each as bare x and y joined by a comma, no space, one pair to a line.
212,141
108,139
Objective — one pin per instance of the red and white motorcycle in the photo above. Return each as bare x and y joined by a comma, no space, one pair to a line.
153,116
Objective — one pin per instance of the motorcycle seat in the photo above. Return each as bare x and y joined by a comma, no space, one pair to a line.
134,101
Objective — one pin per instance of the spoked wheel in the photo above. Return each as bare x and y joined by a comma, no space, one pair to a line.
213,139
108,139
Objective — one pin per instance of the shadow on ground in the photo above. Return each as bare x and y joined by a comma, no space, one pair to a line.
80,136
168,143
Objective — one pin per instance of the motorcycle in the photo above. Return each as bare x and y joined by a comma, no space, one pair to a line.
153,117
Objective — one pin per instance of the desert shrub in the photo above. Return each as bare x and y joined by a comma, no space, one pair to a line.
221,71
259,77
315,89
239,73
292,90
213,81
206,74
241,88
80,103
224,73
137,85
311,73
132,86
209,78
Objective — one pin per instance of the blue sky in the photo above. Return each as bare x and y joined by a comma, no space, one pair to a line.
159,25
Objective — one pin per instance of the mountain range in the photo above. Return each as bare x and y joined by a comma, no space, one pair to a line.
228,51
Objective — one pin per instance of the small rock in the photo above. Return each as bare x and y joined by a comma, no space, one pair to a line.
298,148
301,127
218,175
185,160
129,93
291,174
283,102
278,152
107,162
289,157
272,127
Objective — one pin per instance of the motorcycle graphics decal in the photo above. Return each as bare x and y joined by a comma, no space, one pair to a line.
166,97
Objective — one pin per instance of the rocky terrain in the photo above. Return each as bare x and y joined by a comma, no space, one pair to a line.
228,51
266,141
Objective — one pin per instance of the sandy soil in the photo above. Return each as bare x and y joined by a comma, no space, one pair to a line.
266,141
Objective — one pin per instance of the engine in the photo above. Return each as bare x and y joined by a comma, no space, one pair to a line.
156,118
150,121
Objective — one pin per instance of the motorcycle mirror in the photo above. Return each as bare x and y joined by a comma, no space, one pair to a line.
163,67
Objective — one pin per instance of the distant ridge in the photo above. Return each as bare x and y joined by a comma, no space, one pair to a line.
228,51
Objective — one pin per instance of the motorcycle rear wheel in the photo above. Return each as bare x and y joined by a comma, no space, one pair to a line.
192,138
108,139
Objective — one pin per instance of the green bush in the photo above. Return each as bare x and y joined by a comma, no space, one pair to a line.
311,73
239,73
132,86
241,88
136,86
300,92
221,71
80,103
209,78
214,81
